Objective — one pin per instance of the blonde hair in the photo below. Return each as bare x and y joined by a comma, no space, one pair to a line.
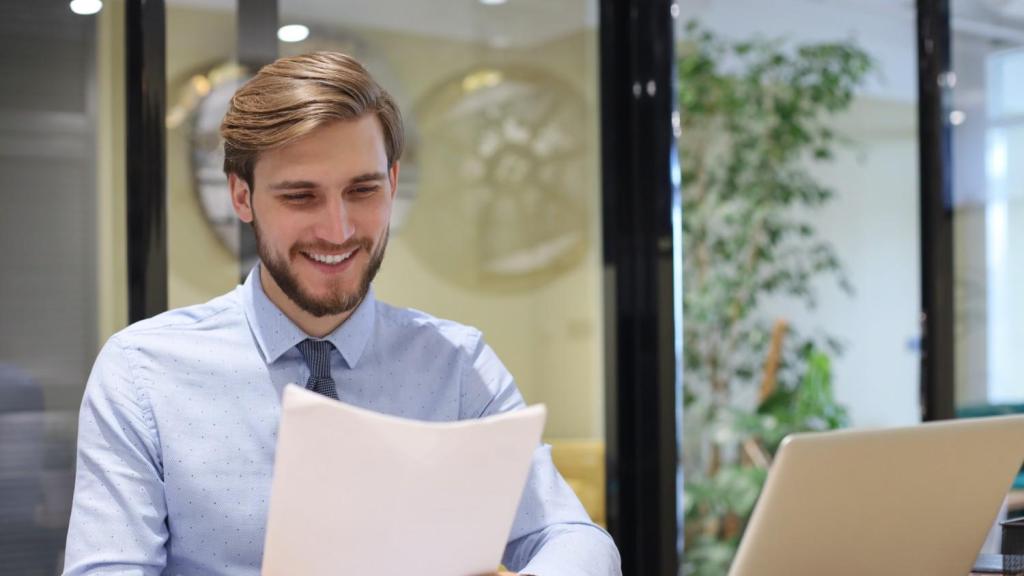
293,96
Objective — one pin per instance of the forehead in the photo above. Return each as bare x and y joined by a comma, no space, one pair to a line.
334,149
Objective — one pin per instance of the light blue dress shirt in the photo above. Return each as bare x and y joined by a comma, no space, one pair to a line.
179,422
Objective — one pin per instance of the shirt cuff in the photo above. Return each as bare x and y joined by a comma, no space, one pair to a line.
575,553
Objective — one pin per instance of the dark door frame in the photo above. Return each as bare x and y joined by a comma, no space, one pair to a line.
935,83
642,263
145,158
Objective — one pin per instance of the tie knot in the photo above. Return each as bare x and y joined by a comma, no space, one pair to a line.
317,354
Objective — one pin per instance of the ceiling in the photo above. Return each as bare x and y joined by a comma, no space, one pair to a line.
885,28
516,22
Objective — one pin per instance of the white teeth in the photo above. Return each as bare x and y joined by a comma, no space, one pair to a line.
330,259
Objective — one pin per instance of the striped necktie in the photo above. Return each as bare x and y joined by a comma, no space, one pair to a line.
317,354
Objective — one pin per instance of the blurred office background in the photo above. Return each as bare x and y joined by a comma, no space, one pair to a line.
497,224
502,220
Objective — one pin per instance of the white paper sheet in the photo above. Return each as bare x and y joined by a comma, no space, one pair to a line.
357,493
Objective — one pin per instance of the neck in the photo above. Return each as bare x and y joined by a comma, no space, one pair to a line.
315,326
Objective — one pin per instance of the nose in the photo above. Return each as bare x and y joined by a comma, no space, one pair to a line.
336,224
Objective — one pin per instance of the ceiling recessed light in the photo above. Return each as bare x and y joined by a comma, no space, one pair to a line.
86,7
292,33
492,2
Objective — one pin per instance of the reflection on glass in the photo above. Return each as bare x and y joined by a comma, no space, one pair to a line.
987,123
988,152
53,257
1004,184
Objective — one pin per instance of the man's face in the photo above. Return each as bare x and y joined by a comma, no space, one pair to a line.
320,212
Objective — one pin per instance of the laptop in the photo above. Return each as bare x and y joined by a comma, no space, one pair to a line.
900,501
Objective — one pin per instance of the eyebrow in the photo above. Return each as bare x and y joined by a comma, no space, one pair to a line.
369,177
308,184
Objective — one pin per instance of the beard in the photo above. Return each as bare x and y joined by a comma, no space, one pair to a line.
338,301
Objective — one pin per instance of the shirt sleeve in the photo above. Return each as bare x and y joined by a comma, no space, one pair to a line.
552,535
118,518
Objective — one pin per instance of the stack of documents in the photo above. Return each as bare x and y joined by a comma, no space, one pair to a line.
364,494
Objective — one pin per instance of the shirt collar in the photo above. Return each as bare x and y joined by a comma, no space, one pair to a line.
275,333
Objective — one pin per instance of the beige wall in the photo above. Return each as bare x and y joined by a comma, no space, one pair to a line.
112,307
550,337
200,267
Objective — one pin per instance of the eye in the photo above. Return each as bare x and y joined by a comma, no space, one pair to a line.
365,190
297,196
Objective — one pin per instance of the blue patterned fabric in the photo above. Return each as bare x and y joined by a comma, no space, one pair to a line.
317,354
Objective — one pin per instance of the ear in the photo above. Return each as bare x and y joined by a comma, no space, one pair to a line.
240,198
393,177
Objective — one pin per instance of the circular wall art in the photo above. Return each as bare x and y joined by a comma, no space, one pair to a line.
504,189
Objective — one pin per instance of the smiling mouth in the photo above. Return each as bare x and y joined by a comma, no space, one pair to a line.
330,259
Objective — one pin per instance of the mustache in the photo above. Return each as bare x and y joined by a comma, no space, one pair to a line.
354,243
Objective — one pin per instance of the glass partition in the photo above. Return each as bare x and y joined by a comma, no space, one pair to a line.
62,233
987,122
801,291
498,222
202,229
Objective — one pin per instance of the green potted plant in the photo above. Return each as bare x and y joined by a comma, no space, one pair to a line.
754,116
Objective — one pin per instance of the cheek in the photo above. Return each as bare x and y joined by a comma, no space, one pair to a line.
379,220
278,234
380,226
366,221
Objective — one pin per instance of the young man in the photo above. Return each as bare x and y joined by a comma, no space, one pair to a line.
178,424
